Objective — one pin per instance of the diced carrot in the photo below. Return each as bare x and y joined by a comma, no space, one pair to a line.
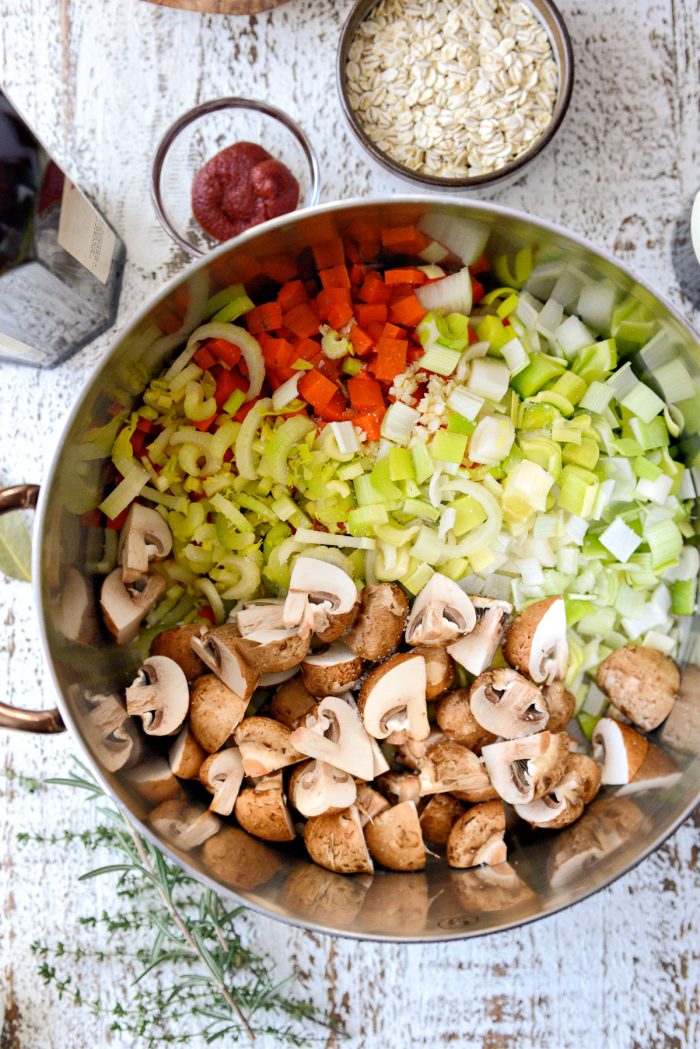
180,301
408,312
225,351
406,275
374,329
414,353
400,291
404,240
335,277
329,368
352,252
482,265
334,410
167,321
330,297
371,423
362,343
276,376
391,358
329,253
301,320
307,349
280,267
357,274
278,353
291,294
392,331
365,392
204,358
266,317
316,388
339,315
374,289
477,290
366,312
204,424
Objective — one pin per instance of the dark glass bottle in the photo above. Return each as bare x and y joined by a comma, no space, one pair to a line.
60,262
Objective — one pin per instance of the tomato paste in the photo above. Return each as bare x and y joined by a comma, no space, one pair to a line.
240,187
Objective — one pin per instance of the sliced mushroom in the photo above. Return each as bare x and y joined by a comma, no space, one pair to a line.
221,651
291,703
381,765
176,644
110,731
378,629
399,786
441,613
315,787
558,808
536,644
657,771
561,705
369,803
642,683
477,836
452,768
222,775
619,750
522,770
159,695
439,671
124,607
154,781
271,651
453,715
265,614
506,704
215,711
263,812
476,650
412,752
186,756
182,824
145,537
336,841
395,838
333,732
318,591
586,772
338,624
438,816
330,672
393,697
265,746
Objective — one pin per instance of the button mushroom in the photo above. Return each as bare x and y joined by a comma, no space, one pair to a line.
393,697
263,812
265,746
438,816
264,614
333,732
182,824
395,839
441,613
476,650
452,768
619,750
331,672
379,626
336,841
522,770
558,808
159,695
586,772
439,671
477,836
641,683
176,644
154,781
369,803
110,731
145,537
316,787
124,607
536,643
271,651
561,705
291,703
221,651
412,752
185,756
318,592
215,711
453,715
657,771
338,625
506,704
239,860
399,786
222,775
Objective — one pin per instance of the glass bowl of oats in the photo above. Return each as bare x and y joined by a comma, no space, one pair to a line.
458,94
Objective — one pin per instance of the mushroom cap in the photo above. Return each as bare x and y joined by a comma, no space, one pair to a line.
262,811
476,837
378,629
222,651
265,746
412,751
338,624
562,805
399,786
439,670
336,841
369,803
239,860
316,787
536,642
438,816
656,771
561,705
642,683
506,704
476,650
186,756
154,781
222,775
453,715
441,613
176,644
317,591
619,749
144,537
111,733
395,839
333,732
270,651
215,711
522,770
160,695
330,672
291,703
586,771
124,607
449,767
182,824
393,696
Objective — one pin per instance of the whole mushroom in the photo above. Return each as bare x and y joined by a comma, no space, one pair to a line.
395,838
160,696
536,643
378,628
641,683
522,770
477,836
441,613
291,703
506,704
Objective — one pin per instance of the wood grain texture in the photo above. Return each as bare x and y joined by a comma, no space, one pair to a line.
101,82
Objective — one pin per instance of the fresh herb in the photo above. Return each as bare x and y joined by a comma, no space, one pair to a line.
15,548
197,979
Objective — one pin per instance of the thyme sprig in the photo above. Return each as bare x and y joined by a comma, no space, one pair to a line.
196,979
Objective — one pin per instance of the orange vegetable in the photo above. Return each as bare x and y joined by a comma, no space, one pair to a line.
404,240
407,275
330,297
317,389
371,423
224,351
307,349
362,343
365,392
357,274
335,277
204,358
408,312
302,321
291,294
374,289
391,358
366,312
329,253
267,317
334,410
391,331
278,353
339,315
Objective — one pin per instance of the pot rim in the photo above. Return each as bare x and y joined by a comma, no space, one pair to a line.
432,199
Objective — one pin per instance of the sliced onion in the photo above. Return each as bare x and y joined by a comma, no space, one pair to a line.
481,536
237,336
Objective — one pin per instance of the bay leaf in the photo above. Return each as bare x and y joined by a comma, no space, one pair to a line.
15,547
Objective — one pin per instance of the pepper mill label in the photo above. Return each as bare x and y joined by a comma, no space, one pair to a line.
84,234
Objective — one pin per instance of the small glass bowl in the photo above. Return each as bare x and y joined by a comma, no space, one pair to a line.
204,131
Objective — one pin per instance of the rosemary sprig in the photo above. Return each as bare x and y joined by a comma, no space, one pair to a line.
196,979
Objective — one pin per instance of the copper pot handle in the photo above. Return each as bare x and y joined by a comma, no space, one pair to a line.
24,497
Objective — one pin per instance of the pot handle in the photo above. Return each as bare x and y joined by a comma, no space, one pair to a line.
24,497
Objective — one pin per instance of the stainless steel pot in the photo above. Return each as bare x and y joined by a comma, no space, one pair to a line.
545,871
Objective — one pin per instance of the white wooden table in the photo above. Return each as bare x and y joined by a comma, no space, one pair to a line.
100,80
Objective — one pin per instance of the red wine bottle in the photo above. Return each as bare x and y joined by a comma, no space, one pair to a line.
61,263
